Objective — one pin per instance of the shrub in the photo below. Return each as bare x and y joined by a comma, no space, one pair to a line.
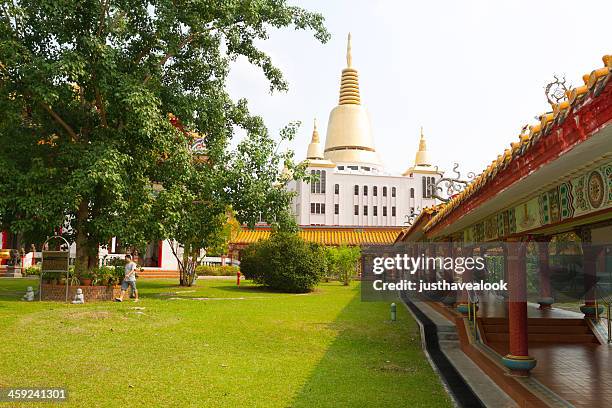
343,262
216,270
284,262
32,270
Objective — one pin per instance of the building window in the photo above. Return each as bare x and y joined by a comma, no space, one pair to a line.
340,167
375,191
323,180
318,186
365,168
412,193
356,210
429,184
393,211
375,211
353,167
393,191
312,183
384,191
365,210
365,190
336,209
356,189
337,189
384,211
317,208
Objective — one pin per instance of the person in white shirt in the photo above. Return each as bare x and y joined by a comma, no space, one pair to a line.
129,280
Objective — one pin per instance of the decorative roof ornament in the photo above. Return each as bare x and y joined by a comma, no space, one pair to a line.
411,218
453,186
556,91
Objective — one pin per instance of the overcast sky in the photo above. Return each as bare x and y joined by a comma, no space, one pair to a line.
472,73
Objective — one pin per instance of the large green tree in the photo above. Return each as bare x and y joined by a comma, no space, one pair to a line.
87,140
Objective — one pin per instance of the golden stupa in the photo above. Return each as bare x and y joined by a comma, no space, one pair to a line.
315,150
422,161
349,134
422,157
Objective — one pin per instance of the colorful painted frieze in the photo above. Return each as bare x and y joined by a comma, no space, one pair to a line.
528,215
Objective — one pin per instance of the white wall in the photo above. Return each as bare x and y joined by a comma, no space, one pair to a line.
346,199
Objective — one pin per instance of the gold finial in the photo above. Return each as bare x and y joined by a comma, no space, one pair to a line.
422,132
315,133
349,56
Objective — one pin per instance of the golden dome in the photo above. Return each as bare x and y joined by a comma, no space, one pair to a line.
349,135
315,150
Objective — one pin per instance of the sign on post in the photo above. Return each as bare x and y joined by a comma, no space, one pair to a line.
55,262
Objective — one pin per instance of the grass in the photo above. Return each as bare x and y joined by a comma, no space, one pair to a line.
241,347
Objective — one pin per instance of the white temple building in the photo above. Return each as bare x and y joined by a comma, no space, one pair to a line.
353,188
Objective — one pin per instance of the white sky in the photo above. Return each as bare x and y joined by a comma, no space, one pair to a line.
471,72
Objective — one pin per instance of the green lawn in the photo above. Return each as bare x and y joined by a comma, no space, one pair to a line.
238,347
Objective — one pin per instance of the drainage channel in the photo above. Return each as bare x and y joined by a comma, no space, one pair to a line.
460,391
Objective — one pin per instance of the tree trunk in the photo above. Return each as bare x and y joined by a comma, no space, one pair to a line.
82,248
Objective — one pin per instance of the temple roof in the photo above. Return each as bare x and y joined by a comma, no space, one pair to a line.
327,235
594,83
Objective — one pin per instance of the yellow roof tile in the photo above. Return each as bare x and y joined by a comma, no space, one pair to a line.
327,236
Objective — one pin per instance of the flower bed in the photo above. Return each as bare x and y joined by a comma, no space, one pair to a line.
91,293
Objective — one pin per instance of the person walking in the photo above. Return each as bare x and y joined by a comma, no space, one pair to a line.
129,280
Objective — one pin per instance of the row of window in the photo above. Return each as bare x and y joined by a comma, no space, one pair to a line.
375,211
318,186
375,191
319,208
364,168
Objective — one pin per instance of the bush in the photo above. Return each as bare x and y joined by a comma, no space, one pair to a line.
32,270
210,270
284,262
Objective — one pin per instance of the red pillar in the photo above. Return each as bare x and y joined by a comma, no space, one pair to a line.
517,360
546,299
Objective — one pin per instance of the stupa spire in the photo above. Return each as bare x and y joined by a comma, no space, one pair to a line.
315,150
422,157
349,55
315,132
349,83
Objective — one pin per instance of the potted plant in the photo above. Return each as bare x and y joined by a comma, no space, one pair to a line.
86,278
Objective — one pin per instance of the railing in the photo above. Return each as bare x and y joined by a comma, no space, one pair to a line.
473,301
605,297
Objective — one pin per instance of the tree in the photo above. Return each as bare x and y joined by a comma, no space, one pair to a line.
101,102
343,261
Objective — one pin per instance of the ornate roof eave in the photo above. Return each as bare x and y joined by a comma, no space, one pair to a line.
595,82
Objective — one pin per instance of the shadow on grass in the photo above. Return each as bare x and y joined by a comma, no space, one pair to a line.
372,362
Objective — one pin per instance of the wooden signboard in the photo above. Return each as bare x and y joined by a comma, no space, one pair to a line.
55,261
